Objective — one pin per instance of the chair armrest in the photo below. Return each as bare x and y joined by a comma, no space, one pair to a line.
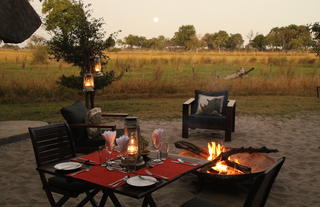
231,103
189,101
185,107
84,125
115,114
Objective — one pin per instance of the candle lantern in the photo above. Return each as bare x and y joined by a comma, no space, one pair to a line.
133,145
132,130
88,82
97,66
132,153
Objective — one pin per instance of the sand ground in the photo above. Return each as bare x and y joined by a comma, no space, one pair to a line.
298,184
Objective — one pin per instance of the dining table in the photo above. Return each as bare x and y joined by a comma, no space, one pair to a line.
116,181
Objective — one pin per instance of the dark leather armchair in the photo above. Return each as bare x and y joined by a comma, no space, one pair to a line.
221,121
75,115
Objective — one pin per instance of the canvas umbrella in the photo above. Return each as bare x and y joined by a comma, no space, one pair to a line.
18,20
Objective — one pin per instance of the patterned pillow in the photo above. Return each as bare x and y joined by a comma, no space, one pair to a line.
94,117
210,105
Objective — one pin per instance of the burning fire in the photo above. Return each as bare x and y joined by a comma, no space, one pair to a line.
214,151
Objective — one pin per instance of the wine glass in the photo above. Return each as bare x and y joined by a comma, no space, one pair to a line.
109,149
155,138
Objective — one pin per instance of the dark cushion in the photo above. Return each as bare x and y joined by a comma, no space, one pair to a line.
69,186
216,93
205,121
76,113
198,202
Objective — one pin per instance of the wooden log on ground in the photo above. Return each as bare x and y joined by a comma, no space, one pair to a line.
238,74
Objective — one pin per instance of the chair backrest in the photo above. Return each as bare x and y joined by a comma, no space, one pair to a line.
261,188
52,143
194,106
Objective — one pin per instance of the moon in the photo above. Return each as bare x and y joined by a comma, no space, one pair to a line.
155,19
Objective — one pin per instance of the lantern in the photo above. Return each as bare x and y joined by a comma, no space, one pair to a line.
97,65
88,82
133,145
132,130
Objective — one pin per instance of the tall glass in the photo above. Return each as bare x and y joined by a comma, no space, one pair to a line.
102,155
109,150
156,145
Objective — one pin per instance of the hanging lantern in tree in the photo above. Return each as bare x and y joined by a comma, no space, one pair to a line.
88,82
97,65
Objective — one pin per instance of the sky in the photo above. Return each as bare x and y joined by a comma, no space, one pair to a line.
151,18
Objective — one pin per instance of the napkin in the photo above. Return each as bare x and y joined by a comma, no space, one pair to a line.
156,136
109,137
122,142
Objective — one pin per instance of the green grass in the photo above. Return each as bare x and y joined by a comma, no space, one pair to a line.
168,108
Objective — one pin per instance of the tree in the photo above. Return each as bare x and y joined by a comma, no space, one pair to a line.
315,29
193,43
134,40
235,41
158,43
259,42
10,46
290,37
185,34
208,39
220,39
35,41
77,38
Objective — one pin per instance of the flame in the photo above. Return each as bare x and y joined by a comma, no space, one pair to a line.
220,167
214,151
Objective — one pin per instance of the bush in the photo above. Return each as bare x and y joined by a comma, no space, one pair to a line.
40,55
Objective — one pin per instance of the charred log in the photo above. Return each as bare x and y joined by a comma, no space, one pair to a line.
237,166
225,155
192,148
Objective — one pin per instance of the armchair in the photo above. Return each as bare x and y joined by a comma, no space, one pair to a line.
75,115
209,110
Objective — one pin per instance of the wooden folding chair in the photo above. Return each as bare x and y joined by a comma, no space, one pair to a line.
51,144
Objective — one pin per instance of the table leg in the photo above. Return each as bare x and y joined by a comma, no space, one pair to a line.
103,199
148,200
89,198
113,198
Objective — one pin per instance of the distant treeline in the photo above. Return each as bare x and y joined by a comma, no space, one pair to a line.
292,37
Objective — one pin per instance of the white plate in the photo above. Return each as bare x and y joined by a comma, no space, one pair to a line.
142,181
68,166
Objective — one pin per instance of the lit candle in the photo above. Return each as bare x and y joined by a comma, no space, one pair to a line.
88,81
132,147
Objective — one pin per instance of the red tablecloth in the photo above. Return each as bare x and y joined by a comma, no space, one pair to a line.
101,176
168,169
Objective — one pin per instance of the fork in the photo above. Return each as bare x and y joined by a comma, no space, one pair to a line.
87,169
160,176
119,181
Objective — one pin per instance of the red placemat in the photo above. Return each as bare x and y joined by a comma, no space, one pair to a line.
95,158
101,176
168,169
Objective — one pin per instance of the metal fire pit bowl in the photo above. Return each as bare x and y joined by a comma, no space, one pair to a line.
258,163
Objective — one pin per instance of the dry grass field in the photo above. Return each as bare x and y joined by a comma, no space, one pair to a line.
164,74
168,75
